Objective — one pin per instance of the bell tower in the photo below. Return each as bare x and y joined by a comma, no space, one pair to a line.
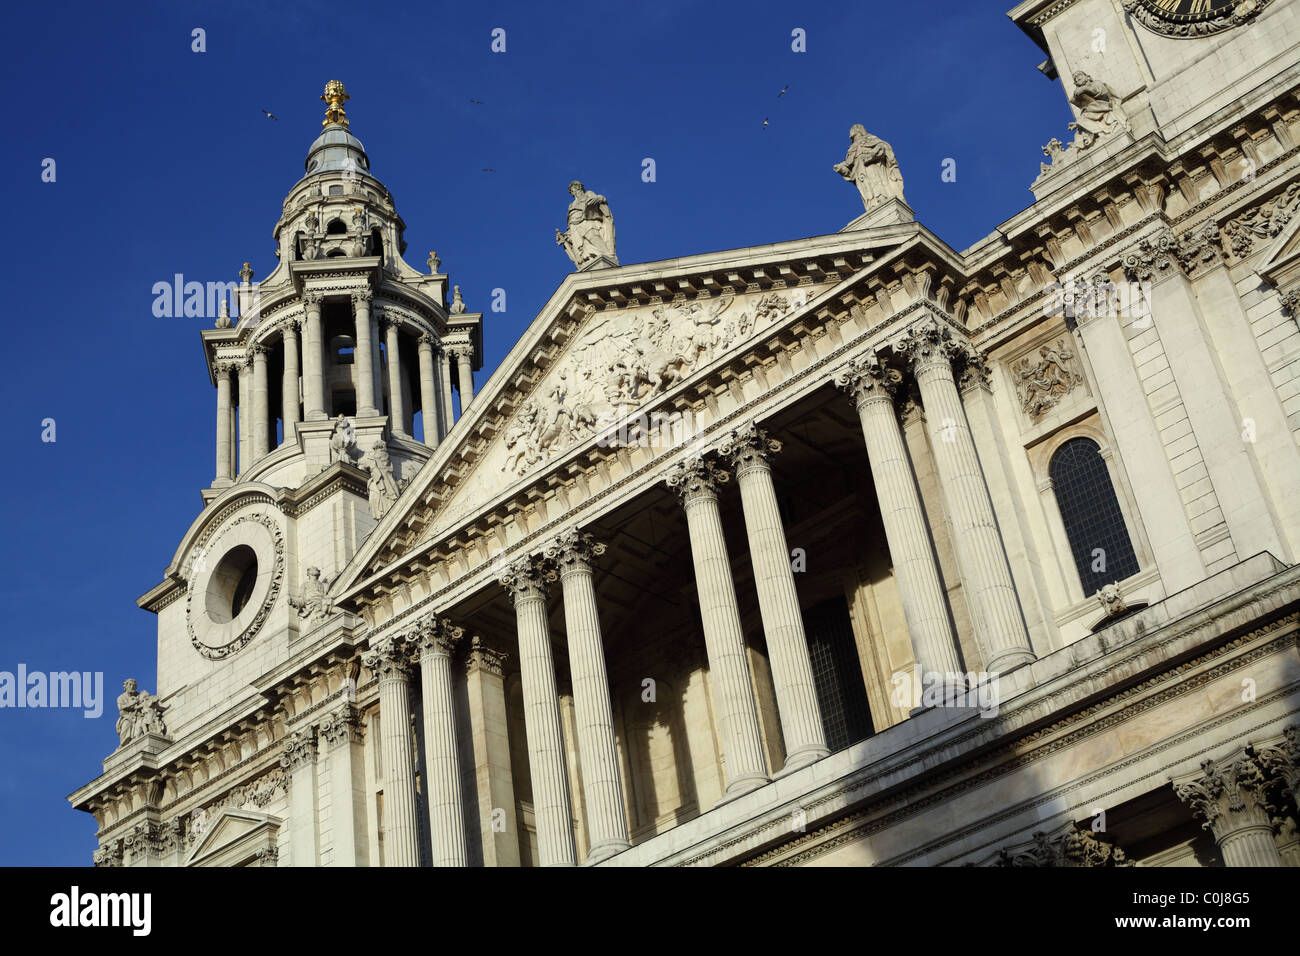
342,326
334,384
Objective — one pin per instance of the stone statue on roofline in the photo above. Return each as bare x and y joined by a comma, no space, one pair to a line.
871,166
590,235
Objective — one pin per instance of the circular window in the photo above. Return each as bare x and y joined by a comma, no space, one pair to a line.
230,599
231,585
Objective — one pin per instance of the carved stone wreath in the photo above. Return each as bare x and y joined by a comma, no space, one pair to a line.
242,639
1243,12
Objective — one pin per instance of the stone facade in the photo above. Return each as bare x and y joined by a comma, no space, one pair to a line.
849,550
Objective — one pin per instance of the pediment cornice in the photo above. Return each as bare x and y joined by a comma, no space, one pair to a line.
881,283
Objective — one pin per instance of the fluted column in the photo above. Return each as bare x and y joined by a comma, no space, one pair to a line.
449,414
573,553
245,413
552,811
436,640
464,365
289,383
696,480
986,576
363,356
430,407
313,356
225,451
748,449
1229,796
396,410
390,661
261,404
911,551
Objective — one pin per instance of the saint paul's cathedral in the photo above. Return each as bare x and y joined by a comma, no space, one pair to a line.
849,550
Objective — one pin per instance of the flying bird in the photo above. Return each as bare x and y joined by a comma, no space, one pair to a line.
488,169
271,115
783,89
764,122
479,102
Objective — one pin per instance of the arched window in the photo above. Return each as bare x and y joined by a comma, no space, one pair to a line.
336,228
1094,524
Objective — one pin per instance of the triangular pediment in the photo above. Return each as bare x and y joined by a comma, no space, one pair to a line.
613,344
236,838
1281,262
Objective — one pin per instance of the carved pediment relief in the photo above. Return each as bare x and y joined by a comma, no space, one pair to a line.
616,364
237,838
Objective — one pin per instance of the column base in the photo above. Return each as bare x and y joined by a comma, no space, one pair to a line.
738,788
1009,660
604,851
800,759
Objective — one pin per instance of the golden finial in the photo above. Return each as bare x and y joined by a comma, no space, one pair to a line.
334,96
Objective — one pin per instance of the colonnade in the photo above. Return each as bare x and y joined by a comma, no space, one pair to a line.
244,421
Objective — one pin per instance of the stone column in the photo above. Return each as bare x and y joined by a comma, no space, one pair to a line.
464,365
245,414
498,828
1229,797
389,660
363,356
911,550
261,404
436,640
448,412
748,449
340,735
696,480
225,456
313,355
299,760
573,553
430,407
986,576
526,584
396,410
289,383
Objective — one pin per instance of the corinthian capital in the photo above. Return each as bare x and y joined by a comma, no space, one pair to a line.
1152,258
574,550
312,300
696,477
436,635
299,749
526,578
866,377
362,297
389,658
1227,793
344,725
485,658
927,342
748,446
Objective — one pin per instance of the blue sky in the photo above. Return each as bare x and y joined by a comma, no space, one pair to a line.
166,164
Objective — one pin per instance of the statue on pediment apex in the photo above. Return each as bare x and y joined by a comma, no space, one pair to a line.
591,227
870,165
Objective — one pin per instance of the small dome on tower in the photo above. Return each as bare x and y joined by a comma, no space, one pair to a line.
336,148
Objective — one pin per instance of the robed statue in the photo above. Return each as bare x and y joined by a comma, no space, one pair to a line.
870,165
591,227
